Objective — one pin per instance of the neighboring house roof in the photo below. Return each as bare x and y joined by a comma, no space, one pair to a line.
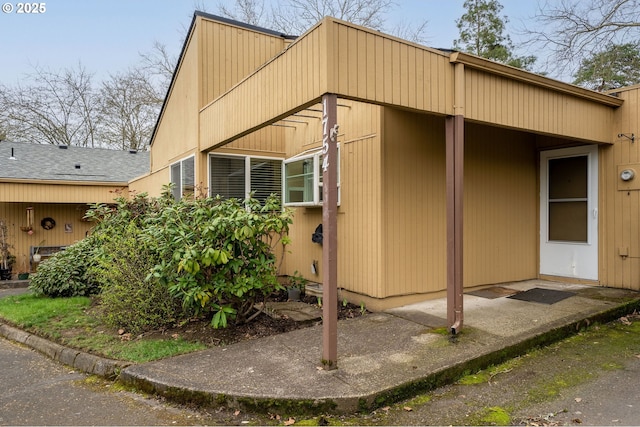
69,163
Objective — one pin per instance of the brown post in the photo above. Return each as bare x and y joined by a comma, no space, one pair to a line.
329,231
455,189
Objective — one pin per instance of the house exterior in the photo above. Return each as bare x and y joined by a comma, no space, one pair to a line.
46,189
454,171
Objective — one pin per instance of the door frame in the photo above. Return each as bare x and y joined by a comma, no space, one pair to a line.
577,260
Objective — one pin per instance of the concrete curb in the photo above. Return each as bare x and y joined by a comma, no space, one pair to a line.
77,359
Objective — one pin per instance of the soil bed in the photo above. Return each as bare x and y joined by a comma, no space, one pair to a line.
201,331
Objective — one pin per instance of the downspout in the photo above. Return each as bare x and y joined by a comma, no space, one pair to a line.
454,127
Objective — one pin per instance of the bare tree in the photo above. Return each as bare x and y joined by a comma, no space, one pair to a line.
297,16
248,11
129,106
294,17
54,108
158,65
577,29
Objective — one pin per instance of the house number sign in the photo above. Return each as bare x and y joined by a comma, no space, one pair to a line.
327,134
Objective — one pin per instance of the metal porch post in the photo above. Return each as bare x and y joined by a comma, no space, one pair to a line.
454,127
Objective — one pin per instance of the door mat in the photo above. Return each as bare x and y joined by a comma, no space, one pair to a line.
542,296
493,292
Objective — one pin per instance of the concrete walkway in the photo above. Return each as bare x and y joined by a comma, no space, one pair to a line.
382,357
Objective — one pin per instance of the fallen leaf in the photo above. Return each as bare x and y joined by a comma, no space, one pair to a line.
578,399
290,421
625,321
120,331
236,413
576,421
175,336
408,408
386,408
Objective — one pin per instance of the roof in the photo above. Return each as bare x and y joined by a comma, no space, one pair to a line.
70,163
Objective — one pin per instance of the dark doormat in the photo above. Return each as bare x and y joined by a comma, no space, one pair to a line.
542,296
493,292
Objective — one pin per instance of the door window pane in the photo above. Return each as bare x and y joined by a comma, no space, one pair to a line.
568,178
568,221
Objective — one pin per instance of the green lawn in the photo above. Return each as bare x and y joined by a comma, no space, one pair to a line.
70,321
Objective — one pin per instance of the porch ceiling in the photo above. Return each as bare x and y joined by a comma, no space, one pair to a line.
360,64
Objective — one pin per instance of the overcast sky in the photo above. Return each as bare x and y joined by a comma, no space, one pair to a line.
106,36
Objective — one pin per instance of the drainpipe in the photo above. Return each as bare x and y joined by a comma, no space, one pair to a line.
454,128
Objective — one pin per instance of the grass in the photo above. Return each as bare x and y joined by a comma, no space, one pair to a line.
69,321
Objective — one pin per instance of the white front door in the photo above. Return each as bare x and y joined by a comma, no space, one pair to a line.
569,212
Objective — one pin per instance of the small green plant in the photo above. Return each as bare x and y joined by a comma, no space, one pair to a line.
363,309
319,302
297,281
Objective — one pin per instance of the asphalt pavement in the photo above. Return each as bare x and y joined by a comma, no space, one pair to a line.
382,357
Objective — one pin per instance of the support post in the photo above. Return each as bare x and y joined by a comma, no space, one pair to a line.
329,231
454,127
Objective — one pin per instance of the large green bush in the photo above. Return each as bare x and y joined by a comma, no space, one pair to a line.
67,273
217,255
213,257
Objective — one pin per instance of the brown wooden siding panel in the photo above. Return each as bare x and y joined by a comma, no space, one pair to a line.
619,208
60,193
62,214
360,239
228,54
534,108
500,206
414,203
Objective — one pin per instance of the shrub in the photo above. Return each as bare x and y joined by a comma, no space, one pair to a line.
66,273
217,255
128,299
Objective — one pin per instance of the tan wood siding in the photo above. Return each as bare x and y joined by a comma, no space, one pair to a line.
383,69
413,201
228,54
328,58
511,103
500,212
279,88
360,236
151,183
500,206
620,205
60,192
177,131
15,213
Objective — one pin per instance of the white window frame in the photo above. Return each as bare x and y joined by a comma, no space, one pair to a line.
247,169
316,156
178,189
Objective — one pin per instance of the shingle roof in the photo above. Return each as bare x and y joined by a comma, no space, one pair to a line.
51,162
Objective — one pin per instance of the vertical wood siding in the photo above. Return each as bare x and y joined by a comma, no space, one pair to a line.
360,233
177,131
15,213
620,207
500,206
60,192
500,212
333,57
228,54
286,82
377,67
498,100
414,204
